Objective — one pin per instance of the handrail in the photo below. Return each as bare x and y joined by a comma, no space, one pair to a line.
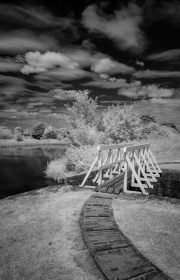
146,169
113,163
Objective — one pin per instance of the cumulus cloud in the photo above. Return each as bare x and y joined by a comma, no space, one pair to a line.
17,42
139,63
84,58
38,62
27,69
123,27
49,60
165,101
107,82
88,45
149,74
165,56
148,91
63,95
106,65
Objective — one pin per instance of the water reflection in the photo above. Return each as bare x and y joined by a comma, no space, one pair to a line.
22,168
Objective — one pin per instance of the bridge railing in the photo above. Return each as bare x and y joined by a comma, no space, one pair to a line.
108,162
113,160
140,160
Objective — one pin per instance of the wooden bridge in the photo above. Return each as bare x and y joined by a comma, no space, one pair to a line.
128,167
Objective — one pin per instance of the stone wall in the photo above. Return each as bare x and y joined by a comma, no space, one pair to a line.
167,185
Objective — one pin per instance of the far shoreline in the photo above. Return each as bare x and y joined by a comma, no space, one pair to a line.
31,142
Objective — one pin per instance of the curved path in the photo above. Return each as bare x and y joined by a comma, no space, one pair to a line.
115,255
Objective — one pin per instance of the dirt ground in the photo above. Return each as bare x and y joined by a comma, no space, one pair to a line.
40,238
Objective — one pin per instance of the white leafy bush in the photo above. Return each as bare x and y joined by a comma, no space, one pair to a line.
6,133
56,169
121,124
85,134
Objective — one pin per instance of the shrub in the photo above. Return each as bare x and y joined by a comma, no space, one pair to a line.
150,129
100,124
85,134
18,137
56,169
38,130
18,130
147,119
6,133
50,134
27,132
121,124
171,125
3,127
62,133
82,109
79,159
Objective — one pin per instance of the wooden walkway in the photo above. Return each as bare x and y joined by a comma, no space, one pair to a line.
116,185
115,255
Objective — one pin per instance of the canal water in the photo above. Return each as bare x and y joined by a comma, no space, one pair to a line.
22,168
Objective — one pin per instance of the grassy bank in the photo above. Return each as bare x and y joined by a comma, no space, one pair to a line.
31,142
154,228
41,239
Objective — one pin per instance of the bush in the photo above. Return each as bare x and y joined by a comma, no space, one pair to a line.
27,132
18,130
80,159
3,127
38,130
56,169
100,124
6,133
50,134
121,124
62,133
18,137
150,129
85,134
171,125
147,119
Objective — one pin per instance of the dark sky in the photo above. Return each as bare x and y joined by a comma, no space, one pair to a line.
121,51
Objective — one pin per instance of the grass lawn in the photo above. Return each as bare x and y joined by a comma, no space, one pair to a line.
40,238
153,226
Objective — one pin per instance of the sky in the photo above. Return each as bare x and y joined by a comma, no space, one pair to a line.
124,52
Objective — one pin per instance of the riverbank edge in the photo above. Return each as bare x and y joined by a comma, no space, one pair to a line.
72,184
31,142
